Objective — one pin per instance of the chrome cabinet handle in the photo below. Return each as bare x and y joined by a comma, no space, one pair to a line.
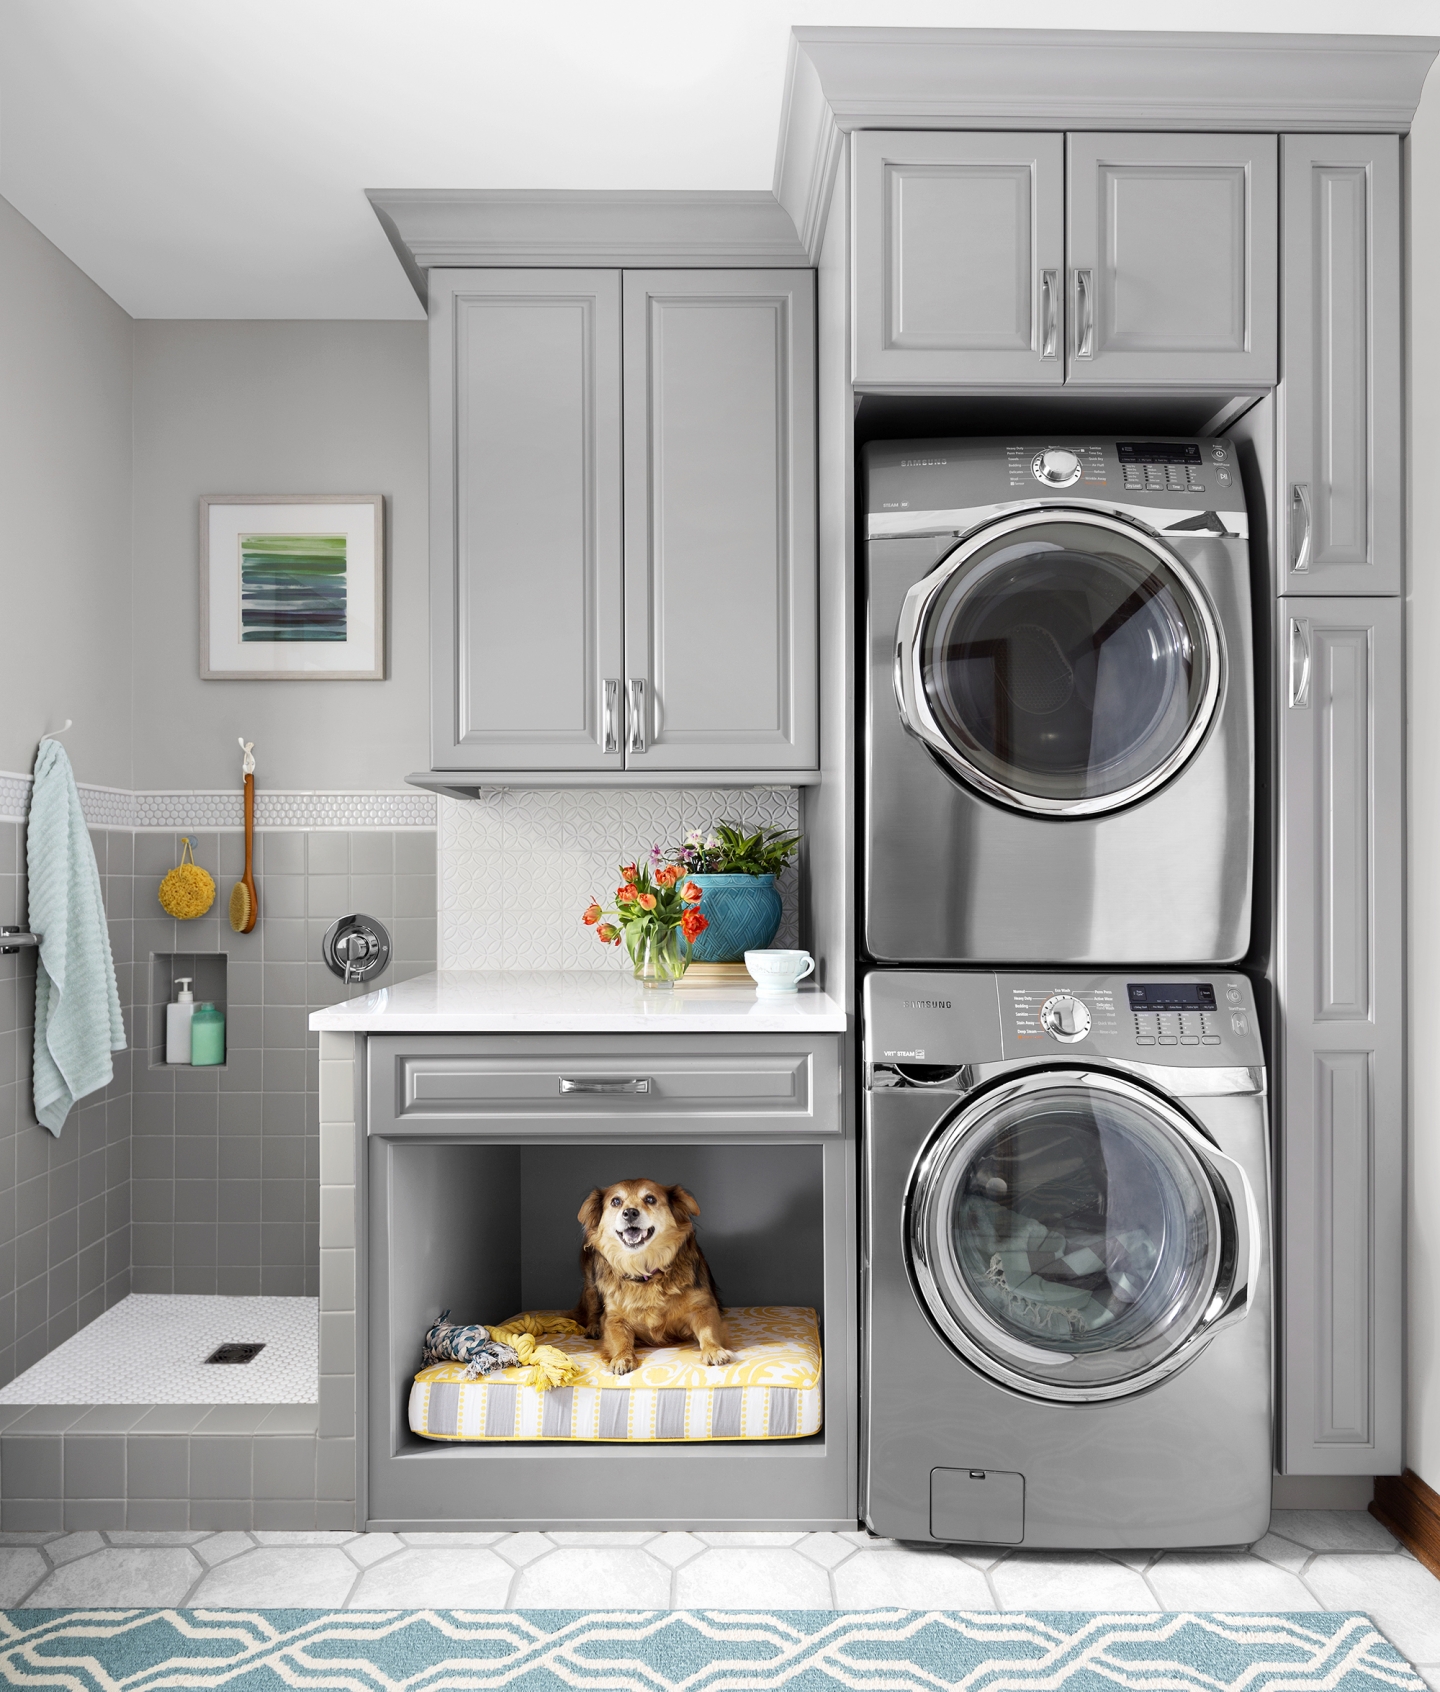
1299,663
1300,526
610,716
1049,312
637,713
601,1084
1084,314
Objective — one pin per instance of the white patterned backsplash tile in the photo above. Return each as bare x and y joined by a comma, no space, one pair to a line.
102,807
519,866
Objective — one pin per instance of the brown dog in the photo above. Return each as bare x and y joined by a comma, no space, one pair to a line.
645,1276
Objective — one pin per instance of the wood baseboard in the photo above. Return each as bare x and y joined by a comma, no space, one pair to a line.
1411,1511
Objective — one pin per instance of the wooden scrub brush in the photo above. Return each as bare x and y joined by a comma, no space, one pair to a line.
244,900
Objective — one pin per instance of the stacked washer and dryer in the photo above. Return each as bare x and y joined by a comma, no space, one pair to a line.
1066,1268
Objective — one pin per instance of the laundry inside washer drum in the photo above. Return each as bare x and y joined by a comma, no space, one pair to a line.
1063,666
1077,1227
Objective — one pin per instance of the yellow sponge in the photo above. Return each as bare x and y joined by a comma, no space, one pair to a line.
188,891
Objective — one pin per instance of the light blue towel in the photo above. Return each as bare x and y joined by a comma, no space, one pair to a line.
77,1008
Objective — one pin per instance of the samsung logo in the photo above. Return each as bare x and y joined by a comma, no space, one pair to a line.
925,1004
921,463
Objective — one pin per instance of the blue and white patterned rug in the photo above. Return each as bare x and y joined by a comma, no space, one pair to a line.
699,1650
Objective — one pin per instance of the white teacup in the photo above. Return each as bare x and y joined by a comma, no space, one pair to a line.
778,972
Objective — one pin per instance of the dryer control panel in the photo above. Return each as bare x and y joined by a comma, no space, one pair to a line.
1172,1019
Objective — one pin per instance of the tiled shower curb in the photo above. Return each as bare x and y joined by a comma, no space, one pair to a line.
172,1466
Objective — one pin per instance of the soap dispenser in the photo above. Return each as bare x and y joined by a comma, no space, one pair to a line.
177,1023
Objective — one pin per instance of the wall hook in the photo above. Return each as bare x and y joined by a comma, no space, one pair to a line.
55,734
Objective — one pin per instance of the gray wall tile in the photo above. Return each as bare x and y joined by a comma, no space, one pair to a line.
95,1468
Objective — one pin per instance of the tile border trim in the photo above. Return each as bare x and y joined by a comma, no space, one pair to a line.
115,807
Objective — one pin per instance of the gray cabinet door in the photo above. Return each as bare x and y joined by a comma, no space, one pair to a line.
1171,242
959,255
720,564
525,518
1340,1032
1340,364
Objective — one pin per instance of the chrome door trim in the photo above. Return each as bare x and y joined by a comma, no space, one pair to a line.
1208,1082
1228,1298
965,521
914,706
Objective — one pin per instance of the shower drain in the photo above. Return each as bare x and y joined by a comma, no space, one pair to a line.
236,1351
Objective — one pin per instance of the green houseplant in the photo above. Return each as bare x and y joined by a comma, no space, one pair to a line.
735,873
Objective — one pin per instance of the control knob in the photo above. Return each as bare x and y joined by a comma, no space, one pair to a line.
1056,467
1065,1018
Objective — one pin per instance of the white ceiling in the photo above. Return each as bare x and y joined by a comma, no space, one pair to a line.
207,158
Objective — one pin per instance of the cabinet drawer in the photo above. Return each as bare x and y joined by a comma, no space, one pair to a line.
551,1087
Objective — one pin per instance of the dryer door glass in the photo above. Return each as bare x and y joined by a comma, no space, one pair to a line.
1068,1236
1064,666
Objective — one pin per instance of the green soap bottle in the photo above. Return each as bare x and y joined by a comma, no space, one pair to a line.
207,1034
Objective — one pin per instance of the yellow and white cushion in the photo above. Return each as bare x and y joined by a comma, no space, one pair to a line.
770,1391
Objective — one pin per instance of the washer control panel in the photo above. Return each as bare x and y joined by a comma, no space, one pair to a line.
1172,1019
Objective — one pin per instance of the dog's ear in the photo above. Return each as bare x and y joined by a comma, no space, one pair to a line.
682,1204
589,1212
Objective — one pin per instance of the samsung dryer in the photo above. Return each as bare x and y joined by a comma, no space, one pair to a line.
1065,1334
1059,711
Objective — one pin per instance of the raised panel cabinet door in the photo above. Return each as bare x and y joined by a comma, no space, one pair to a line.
1172,251
1340,364
720,556
1339,1050
526,571
959,255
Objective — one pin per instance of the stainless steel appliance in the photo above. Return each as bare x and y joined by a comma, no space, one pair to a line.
1059,749
1066,1262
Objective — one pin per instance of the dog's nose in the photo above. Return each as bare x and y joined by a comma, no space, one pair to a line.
630,1214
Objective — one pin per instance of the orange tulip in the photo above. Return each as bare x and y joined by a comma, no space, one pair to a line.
691,894
608,932
646,901
668,876
592,915
692,925
629,871
627,892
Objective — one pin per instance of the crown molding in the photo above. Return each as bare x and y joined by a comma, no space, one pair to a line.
659,229
838,80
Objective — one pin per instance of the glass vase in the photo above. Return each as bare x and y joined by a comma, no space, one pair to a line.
660,957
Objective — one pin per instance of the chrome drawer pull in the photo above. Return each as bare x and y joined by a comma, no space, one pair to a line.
598,1084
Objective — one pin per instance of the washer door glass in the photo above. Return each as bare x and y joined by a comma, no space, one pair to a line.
1066,664
1067,1236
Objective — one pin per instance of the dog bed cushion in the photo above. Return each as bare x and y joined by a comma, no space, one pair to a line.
770,1391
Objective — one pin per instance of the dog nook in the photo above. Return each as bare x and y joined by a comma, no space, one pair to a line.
482,1154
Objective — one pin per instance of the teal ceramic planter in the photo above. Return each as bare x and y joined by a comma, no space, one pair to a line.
743,912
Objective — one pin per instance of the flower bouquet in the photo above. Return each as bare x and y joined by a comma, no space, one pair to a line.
655,916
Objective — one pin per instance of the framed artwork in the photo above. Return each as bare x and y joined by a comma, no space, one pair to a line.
292,587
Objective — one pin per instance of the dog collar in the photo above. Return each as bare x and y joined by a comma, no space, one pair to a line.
650,1277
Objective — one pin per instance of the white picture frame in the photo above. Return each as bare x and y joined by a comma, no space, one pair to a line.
292,587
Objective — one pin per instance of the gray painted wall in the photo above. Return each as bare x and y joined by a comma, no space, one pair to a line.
65,393
276,408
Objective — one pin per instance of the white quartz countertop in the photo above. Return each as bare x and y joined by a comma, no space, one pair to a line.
553,1001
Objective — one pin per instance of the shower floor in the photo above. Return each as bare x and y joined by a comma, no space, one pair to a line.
150,1349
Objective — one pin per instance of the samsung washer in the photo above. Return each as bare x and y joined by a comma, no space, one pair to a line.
1059,711
1066,1260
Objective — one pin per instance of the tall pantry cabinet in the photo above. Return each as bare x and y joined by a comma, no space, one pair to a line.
1339,939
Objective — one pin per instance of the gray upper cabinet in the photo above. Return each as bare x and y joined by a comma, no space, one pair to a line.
525,519
623,554
720,591
1341,1080
1172,250
1030,260
959,259
1340,371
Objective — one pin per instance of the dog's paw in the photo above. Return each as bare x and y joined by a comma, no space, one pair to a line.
593,1333
621,1365
714,1359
